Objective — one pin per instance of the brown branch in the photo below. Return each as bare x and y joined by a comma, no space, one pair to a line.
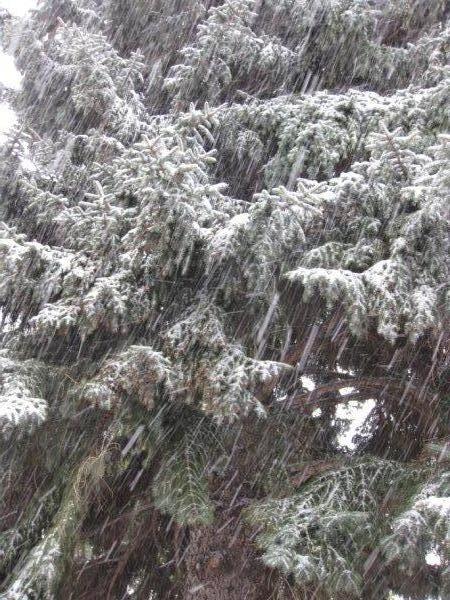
365,388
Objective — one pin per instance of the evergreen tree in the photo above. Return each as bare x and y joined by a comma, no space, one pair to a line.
222,221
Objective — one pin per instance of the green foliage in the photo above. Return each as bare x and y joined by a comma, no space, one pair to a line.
21,408
181,485
208,207
322,534
421,529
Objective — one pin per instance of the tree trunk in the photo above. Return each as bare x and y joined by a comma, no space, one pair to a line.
221,564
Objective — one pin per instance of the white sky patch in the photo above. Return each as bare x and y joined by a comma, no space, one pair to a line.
9,75
346,390
340,369
8,119
356,413
308,383
28,164
433,559
352,411
18,8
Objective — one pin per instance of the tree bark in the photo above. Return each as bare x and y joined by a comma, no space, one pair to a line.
221,564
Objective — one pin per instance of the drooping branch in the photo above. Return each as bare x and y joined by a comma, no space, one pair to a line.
363,389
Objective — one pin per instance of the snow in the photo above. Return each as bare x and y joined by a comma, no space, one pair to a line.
176,222
10,77
20,412
438,504
240,220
